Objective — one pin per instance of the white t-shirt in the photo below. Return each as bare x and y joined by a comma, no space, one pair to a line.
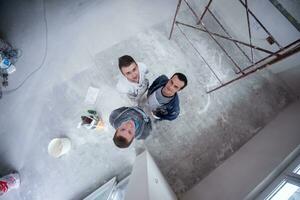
134,90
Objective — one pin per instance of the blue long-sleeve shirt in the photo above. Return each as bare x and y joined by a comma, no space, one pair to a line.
140,118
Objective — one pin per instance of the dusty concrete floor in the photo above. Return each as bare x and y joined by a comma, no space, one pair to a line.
85,38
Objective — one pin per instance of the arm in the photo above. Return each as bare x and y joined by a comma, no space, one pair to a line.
142,89
156,82
168,116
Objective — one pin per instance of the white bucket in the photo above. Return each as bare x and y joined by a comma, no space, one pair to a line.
59,146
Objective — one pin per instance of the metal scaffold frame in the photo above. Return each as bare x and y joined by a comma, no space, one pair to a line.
241,72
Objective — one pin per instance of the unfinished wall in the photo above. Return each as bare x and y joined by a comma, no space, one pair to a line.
233,14
239,174
289,71
147,182
277,24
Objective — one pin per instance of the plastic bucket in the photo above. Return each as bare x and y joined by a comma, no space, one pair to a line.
59,146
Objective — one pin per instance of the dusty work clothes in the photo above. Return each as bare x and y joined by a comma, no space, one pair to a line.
141,120
134,90
165,111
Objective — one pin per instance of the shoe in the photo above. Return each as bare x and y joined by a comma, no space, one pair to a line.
154,116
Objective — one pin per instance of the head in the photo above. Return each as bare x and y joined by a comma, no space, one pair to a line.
176,83
129,68
124,134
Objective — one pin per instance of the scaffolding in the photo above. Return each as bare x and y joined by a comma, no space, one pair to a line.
241,71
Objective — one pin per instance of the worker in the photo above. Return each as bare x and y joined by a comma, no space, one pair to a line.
130,123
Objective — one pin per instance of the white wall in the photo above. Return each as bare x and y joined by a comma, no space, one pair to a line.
138,182
158,186
239,174
146,181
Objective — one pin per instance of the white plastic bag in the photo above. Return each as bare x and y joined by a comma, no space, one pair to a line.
9,182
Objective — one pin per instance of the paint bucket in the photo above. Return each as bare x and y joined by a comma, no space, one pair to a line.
59,146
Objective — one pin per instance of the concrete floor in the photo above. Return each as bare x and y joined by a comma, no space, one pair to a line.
85,38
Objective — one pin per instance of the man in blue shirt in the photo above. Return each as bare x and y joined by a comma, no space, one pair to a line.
130,123
162,98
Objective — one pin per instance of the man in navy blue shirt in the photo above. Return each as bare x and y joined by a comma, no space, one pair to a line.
162,98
